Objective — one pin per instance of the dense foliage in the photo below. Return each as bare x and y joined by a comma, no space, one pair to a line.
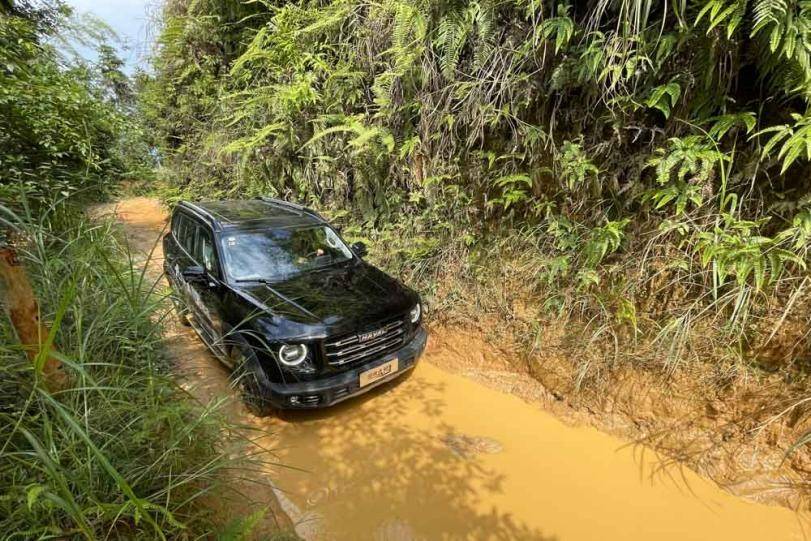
638,166
121,452
61,119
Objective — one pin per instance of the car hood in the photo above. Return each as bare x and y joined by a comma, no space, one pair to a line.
349,297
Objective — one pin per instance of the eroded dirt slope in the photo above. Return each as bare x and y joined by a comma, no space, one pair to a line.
441,456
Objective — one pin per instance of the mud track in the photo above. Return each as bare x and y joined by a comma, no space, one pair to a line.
440,456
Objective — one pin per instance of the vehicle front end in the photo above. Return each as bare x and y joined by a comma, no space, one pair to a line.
324,324
316,367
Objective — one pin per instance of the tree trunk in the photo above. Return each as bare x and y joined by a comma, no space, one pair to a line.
23,310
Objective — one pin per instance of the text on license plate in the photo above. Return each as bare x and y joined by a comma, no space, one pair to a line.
378,372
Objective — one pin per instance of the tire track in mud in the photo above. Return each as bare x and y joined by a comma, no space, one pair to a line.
438,456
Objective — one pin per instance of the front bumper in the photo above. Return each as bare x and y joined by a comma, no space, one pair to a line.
329,391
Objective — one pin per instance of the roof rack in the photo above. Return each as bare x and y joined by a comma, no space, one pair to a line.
201,212
287,205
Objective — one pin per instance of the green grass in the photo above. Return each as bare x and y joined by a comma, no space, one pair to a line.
124,453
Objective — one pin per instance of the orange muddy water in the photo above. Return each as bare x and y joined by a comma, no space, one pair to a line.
437,456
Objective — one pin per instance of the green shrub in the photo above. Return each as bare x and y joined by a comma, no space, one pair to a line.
124,452
596,148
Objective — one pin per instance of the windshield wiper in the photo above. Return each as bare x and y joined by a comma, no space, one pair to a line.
254,279
263,280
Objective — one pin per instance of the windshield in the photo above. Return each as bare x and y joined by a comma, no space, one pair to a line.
281,253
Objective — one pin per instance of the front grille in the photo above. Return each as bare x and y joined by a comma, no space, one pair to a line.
350,348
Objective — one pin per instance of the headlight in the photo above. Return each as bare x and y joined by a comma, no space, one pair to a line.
415,313
292,354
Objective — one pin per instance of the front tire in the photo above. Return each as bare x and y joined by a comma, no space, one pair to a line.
245,377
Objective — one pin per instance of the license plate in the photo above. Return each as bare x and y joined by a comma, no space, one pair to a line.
378,372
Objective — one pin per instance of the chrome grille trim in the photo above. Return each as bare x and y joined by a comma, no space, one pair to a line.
363,345
350,349
354,337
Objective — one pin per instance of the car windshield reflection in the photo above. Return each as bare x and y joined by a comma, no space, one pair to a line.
273,255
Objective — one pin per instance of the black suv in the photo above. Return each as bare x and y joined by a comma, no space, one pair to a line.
276,294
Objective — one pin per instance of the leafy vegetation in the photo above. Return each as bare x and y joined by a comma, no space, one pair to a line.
634,171
122,452
63,127
631,163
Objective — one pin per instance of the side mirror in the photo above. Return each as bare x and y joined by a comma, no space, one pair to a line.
360,249
194,274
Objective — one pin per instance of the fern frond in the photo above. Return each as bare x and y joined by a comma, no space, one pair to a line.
560,29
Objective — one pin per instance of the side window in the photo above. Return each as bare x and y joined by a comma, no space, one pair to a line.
179,224
177,220
205,254
184,232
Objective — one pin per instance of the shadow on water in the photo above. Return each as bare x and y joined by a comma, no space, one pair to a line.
370,475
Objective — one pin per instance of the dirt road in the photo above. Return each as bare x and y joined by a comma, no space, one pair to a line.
438,456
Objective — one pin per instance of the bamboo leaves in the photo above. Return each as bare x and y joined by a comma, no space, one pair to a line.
723,13
736,250
681,193
366,138
456,27
604,240
723,124
693,156
513,190
575,167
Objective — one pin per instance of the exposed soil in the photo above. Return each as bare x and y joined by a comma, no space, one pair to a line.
461,449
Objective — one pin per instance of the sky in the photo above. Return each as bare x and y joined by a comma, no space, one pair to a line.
132,21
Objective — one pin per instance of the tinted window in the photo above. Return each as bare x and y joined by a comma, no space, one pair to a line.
184,229
176,220
204,253
189,234
177,225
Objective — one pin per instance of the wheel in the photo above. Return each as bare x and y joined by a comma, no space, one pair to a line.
244,377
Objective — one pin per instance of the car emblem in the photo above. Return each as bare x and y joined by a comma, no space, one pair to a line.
371,335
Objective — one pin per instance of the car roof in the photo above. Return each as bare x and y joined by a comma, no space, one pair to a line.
252,213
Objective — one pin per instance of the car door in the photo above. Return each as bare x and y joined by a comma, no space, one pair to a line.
206,294
178,250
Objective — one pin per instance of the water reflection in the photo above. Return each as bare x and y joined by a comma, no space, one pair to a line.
374,476
440,457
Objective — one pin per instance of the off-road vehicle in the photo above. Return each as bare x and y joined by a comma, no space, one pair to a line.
279,297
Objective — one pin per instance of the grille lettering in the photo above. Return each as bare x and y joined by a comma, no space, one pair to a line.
365,337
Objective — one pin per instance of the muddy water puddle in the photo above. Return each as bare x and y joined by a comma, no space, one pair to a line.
437,456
